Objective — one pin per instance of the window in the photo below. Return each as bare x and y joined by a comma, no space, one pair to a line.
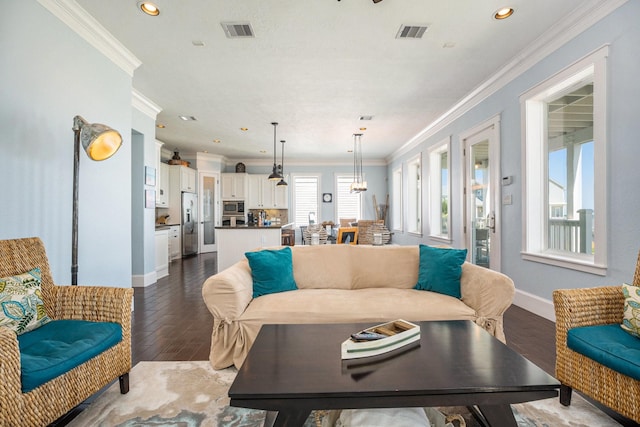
439,194
565,167
305,197
396,207
348,204
414,195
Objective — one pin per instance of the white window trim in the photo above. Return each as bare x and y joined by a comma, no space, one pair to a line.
533,162
416,158
336,198
435,193
292,217
397,199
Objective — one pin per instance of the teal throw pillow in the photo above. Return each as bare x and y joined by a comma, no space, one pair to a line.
272,271
21,305
631,315
440,270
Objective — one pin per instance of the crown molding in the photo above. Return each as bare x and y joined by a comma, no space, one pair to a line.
86,26
558,35
144,104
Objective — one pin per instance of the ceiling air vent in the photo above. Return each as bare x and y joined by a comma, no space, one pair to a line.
411,31
237,30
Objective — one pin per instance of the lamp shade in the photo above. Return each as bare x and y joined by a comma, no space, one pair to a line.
99,141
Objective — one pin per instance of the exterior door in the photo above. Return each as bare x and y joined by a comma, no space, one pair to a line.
209,211
482,194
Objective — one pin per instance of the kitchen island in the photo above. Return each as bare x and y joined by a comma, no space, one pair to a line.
233,242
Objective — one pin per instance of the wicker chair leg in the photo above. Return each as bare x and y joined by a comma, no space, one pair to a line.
124,383
565,394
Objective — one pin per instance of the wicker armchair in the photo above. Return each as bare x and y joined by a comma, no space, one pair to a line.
587,307
48,402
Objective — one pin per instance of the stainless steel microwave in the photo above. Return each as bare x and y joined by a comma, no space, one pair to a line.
233,208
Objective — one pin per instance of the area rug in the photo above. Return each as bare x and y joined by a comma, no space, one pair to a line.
192,394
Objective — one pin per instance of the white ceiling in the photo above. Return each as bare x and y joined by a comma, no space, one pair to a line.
316,66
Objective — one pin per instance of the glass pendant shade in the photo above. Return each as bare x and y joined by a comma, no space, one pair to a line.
359,184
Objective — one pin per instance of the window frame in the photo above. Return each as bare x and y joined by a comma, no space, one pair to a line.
397,199
336,199
414,188
294,176
591,68
435,190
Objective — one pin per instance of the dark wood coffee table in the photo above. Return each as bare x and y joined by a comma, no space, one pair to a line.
293,369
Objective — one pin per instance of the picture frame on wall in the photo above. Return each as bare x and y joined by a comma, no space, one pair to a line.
347,235
150,199
149,176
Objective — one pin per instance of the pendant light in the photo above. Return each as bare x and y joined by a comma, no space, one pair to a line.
282,181
275,176
359,184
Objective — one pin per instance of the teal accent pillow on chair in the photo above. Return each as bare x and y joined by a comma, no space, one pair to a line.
440,270
272,271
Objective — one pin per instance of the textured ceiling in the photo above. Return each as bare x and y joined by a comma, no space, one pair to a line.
315,66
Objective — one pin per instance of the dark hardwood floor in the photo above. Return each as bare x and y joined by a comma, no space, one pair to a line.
171,322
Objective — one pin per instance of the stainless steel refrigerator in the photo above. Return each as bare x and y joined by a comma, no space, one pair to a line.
189,224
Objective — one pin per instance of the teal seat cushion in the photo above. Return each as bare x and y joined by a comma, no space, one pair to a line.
440,270
60,345
272,271
608,345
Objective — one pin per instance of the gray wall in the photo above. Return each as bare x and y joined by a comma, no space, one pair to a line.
621,30
48,75
143,145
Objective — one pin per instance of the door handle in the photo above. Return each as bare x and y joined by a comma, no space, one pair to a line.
491,222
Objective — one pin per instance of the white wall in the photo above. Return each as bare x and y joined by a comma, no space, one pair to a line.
48,75
535,281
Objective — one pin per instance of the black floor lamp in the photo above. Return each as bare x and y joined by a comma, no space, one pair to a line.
99,142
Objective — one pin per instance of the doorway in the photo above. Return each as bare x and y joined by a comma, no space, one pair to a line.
482,194
209,211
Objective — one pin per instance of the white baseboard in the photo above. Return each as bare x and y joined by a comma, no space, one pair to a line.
140,281
535,304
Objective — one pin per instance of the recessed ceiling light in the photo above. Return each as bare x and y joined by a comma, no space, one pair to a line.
449,45
349,151
217,141
188,118
160,125
149,8
263,151
503,13
244,129
363,128
197,43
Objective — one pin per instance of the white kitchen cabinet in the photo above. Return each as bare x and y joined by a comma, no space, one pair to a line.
162,253
162,193
178,180
234,186
266,194
281,196
175,243
187,179
182,179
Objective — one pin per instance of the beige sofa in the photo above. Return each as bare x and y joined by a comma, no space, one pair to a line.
346,283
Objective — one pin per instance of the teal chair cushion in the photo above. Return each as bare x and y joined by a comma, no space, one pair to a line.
60,345
608,345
